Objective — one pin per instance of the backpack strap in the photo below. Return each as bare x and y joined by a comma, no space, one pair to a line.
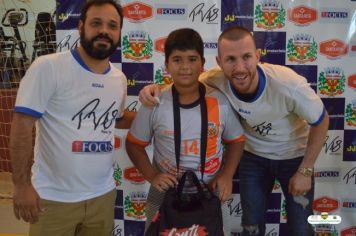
203,131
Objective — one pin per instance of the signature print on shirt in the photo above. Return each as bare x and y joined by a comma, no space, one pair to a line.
89,111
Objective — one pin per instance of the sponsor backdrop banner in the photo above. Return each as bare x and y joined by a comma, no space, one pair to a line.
315,38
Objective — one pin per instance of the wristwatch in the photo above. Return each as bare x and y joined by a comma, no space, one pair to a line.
307,172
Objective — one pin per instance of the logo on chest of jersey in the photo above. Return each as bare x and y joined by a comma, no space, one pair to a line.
244,111
213,129
97,85
91,147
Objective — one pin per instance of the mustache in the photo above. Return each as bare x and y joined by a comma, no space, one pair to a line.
103,36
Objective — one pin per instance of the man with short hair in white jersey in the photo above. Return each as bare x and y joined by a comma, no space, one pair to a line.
75,98
285,125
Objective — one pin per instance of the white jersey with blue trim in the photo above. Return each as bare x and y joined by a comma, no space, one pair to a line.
76,111
276,119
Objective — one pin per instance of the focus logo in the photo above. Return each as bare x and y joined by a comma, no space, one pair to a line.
170,11
327,175
349,204
210,45
91,147
334,15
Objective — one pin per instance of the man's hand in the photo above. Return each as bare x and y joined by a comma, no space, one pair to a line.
299,184
26,203
164,181
148,96
222,183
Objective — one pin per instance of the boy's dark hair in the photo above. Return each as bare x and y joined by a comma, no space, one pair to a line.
183,39
90,3
235,33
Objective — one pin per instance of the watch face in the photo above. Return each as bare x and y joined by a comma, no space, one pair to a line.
307,172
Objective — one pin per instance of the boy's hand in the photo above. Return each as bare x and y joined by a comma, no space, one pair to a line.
164,181
223,184
149,94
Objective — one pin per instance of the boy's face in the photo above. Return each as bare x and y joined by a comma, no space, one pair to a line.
185,67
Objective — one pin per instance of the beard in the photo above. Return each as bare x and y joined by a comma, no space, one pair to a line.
99,52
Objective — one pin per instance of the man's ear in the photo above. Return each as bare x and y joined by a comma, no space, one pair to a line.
217,58
166,65
80,27
258,55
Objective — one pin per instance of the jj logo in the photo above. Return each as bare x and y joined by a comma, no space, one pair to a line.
132,81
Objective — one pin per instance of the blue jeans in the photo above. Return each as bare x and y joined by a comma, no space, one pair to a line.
257,175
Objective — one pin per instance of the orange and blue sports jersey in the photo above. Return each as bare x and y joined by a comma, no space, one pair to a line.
158,123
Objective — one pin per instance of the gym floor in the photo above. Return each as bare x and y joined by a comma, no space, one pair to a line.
9,225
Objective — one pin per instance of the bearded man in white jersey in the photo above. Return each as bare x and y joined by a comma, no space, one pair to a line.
285,125
75,98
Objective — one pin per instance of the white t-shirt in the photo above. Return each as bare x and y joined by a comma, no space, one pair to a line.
276,120
158,123
74,133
